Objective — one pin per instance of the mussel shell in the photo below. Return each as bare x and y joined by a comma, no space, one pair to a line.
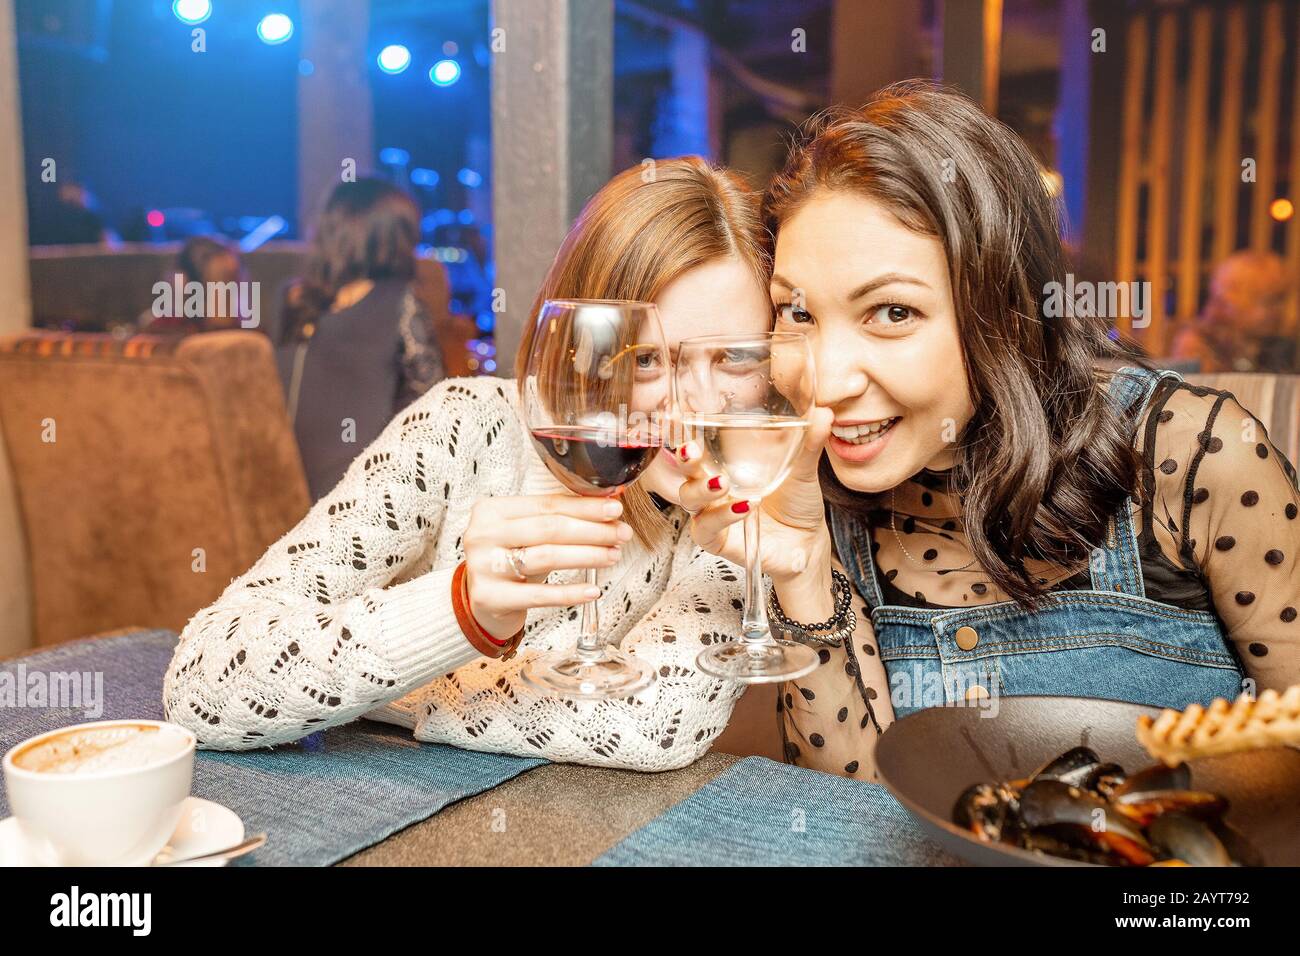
1240,849
1077,807
1073,814
974,807
1156,777
1104,778
1072,767
1068,846
988,810
1144,807
1048,802
1189,839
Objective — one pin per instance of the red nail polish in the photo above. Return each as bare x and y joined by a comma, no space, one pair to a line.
740,507
715,482
683,451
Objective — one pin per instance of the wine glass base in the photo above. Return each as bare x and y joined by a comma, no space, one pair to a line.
612,675
765,663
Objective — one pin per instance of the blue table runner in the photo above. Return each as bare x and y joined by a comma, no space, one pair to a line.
319,800
761,813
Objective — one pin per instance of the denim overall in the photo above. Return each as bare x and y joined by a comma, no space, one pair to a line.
1109,641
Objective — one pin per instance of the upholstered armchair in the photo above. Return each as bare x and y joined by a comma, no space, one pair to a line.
138,477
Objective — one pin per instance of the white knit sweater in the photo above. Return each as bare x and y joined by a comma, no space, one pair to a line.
350,614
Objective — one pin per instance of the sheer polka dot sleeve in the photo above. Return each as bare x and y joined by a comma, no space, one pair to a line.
1226,504
832,718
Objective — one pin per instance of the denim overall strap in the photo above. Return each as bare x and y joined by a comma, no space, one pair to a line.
1116,565
1108,641
851,535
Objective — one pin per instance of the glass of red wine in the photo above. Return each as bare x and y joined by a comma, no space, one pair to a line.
597,395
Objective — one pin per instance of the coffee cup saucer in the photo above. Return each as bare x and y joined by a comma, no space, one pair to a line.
204,827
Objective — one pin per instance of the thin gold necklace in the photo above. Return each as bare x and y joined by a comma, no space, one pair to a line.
892,499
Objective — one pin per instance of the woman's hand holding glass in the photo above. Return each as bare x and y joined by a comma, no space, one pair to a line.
596,392
545,533
796,544
747,402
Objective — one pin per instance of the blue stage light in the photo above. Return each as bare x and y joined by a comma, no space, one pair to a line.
192,11
306,67
392,156
274,29
469,178
394,58
445,73
465,217
424,177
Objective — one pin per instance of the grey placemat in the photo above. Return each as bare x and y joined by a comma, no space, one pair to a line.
318,801
762,813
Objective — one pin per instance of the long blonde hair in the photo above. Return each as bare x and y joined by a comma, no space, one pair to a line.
644,228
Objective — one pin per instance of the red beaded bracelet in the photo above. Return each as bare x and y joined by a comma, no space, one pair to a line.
479,639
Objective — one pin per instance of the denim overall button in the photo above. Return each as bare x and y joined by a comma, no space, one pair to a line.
967,638
976,692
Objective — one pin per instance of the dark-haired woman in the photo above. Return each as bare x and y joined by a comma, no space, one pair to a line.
1013,520
210,262
354,344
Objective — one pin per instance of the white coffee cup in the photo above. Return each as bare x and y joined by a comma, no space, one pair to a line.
107,793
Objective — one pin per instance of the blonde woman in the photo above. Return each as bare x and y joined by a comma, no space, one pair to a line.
352,612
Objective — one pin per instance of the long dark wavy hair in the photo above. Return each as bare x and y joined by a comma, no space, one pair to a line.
1045,460
369,230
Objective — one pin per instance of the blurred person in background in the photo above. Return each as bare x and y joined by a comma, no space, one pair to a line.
1242,325
211,263
432,288
72,219
355,344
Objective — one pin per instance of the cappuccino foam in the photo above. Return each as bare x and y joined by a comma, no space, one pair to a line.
98,749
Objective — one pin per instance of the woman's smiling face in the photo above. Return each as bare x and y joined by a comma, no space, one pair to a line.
875,300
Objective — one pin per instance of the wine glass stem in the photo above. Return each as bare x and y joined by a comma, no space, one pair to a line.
755,629
589,639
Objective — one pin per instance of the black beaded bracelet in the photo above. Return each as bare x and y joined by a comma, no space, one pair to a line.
843,597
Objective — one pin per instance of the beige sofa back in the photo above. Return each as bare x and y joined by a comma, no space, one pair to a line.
148,473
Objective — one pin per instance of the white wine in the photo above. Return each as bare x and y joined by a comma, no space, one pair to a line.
755,452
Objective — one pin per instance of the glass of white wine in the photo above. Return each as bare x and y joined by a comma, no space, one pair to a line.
746,400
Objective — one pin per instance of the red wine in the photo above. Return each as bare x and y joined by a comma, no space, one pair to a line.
593,461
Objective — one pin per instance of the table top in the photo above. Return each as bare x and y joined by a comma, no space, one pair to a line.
553,815
392,801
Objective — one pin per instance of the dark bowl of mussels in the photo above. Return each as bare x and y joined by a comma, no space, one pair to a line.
1062,781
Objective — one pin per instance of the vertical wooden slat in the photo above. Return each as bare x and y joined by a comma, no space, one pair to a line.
992,54
1189,242
1135,69
1162,119
1272,49
1227,159
1293,193
855,77
963,46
